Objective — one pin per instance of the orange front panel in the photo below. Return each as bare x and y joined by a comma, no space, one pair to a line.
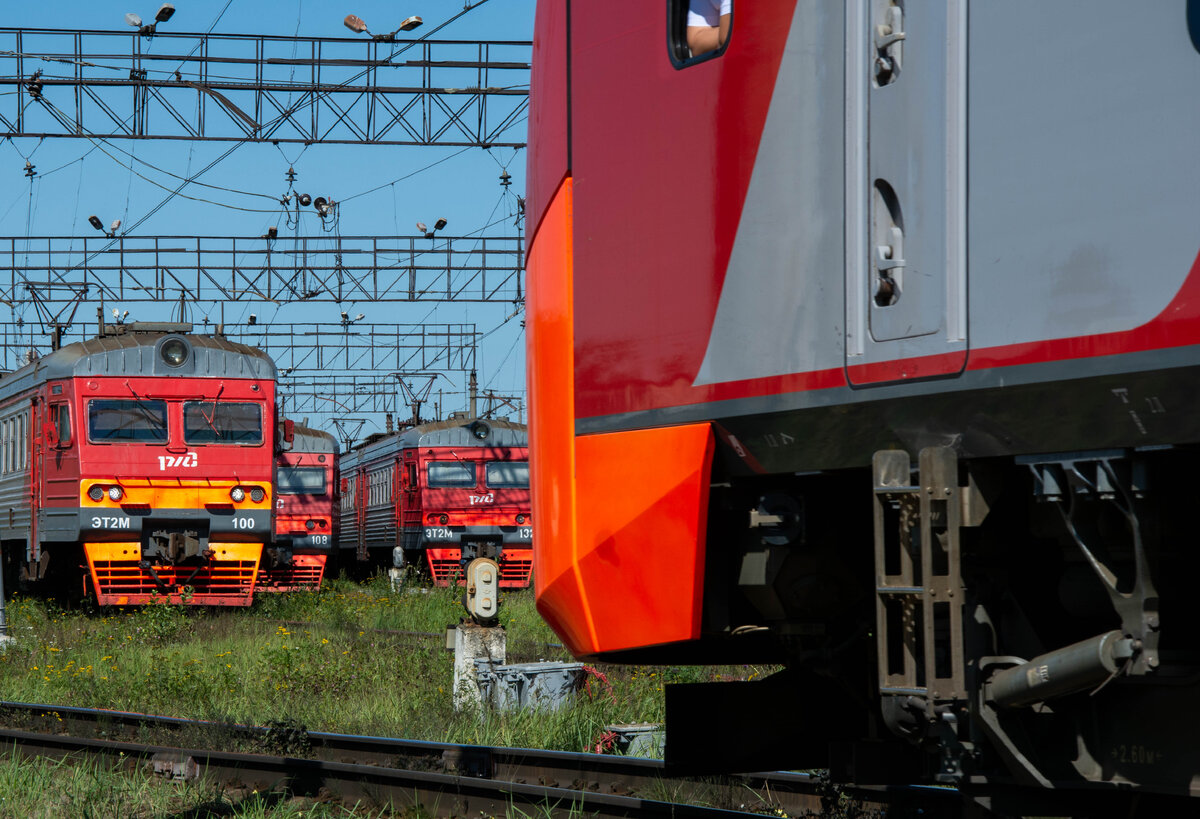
642,506
552,415
227,579
304,572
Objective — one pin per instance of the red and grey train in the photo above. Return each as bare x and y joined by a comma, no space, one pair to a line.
138,465
869,344
437,495
305,510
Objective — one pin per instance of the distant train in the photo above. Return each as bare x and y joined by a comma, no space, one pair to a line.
437,495
305,510
868,343
138,465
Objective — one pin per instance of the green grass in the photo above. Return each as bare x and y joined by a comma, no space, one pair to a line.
337,660
342,660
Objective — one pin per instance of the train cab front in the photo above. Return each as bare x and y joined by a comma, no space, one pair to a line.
465,518
303,523
174,487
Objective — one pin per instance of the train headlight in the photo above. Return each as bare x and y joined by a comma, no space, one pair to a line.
443,519
174,351
520,518
238,494
115,493
96,493
480,430
257,494
310,525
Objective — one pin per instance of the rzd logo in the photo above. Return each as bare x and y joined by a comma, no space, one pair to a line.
488,498
166,462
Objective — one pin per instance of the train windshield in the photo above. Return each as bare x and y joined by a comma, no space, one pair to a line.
508,475
300,480
127,419
445,474
222,422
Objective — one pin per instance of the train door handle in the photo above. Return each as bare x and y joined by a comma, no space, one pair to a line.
890,256
888,53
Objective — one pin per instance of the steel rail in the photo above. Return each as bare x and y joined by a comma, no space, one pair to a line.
793,793
436,793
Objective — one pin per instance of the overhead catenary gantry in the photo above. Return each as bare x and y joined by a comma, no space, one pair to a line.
219,269
299,349
233,87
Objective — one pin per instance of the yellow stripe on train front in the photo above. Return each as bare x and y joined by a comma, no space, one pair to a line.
171,494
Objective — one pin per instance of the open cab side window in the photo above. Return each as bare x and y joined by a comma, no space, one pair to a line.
698,30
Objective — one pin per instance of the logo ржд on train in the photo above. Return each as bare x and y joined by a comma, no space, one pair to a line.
490,497
187,461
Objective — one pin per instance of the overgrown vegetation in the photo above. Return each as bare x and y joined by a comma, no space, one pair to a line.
352,658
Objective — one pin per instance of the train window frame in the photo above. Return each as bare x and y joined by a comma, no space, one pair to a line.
202,435
433,483
285,488
60,416
143,405
487,475
677,47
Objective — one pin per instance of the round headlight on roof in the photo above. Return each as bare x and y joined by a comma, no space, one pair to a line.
174,351
480,430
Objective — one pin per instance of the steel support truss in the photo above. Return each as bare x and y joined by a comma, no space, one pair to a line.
125,270
121,85
299,348
336,395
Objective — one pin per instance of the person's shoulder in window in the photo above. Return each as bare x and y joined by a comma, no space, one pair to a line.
708,25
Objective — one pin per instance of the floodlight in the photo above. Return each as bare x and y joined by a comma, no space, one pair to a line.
164,13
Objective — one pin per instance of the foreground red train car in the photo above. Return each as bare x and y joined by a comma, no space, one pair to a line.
437,496
139,464
897,383
305,511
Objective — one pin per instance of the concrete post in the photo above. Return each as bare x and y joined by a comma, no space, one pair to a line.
474,642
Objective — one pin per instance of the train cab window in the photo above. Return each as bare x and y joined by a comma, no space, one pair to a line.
223,422
60,415
300,480
700,29
508,475
118,420
446,474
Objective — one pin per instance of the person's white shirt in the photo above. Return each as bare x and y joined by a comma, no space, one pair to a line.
707,12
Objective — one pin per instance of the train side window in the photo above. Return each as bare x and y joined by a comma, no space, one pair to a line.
6,434
698,29
60,414
23,437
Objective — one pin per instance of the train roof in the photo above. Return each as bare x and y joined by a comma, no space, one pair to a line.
460,433
137,353
307,439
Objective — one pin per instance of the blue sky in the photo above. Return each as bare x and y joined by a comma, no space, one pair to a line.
464,189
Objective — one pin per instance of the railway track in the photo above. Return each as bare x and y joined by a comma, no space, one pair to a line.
444,778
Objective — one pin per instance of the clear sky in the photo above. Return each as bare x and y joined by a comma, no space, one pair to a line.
464,188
